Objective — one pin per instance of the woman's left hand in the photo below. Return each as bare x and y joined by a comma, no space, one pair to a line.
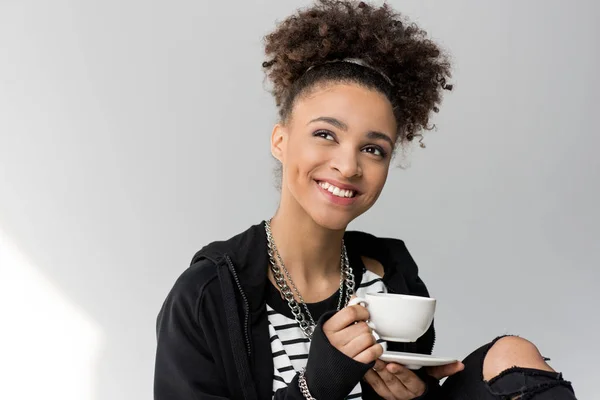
395,382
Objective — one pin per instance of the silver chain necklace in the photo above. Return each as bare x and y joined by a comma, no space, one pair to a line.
346,282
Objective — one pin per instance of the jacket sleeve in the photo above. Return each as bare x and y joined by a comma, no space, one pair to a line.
184,367
330,374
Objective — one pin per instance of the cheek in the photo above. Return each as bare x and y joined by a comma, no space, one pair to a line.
384,176
377,178
303,158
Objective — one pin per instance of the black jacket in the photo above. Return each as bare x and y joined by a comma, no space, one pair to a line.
212,330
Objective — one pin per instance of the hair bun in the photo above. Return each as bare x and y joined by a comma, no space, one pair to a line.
347,29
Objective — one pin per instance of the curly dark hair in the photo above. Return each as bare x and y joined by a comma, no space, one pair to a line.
308,48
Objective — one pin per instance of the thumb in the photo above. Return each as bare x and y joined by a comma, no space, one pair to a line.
443,371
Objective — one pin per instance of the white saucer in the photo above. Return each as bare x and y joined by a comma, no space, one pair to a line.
413,360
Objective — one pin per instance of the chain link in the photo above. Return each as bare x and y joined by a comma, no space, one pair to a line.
346,282
304,386
289,277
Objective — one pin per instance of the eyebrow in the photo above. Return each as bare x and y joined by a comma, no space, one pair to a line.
340,125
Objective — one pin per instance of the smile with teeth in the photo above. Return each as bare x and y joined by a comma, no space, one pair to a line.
336,191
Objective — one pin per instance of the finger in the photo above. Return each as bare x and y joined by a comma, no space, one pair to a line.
379,365
345,317
409,379
346,335
373,379
443,371
358,344
395,385
369,355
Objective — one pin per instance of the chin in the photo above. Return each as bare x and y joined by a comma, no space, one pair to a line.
332,220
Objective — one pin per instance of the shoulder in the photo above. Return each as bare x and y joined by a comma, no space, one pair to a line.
201,278
365,240
200,273
373,265
390,254
380,252
191,285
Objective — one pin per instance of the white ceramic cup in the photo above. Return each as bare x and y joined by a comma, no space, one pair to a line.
397,317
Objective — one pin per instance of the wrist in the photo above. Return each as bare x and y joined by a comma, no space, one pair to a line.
330,374
432,385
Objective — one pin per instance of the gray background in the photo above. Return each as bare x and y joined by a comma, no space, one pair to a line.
133,132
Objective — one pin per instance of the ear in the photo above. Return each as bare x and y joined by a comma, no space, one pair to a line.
278,141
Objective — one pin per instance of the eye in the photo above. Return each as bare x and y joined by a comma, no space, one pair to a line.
375,150
325,135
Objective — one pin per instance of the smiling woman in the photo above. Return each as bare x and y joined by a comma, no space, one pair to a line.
265,314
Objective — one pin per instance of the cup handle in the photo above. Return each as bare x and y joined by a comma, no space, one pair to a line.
363,302
358,300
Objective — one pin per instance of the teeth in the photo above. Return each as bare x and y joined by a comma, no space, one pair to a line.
336,191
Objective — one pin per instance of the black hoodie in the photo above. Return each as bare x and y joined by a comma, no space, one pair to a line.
212,330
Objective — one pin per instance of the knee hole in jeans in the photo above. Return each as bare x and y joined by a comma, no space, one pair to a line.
512,351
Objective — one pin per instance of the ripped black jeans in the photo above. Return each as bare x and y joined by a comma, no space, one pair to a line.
514,383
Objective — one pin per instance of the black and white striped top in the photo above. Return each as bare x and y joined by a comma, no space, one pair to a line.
290,346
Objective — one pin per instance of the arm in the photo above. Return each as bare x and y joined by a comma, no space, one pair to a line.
330,374
184,368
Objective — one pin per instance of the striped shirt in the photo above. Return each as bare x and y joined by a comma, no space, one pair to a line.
290,346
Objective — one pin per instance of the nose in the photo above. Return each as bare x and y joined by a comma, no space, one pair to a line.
347,163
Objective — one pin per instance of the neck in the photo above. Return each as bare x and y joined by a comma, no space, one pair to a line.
309,251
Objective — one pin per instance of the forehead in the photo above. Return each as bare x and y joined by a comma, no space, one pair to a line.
359,107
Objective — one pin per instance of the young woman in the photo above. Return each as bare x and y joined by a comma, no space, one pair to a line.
263,315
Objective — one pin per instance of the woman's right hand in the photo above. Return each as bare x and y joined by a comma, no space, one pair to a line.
348,332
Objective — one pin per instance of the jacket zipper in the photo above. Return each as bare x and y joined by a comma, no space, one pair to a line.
246,304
